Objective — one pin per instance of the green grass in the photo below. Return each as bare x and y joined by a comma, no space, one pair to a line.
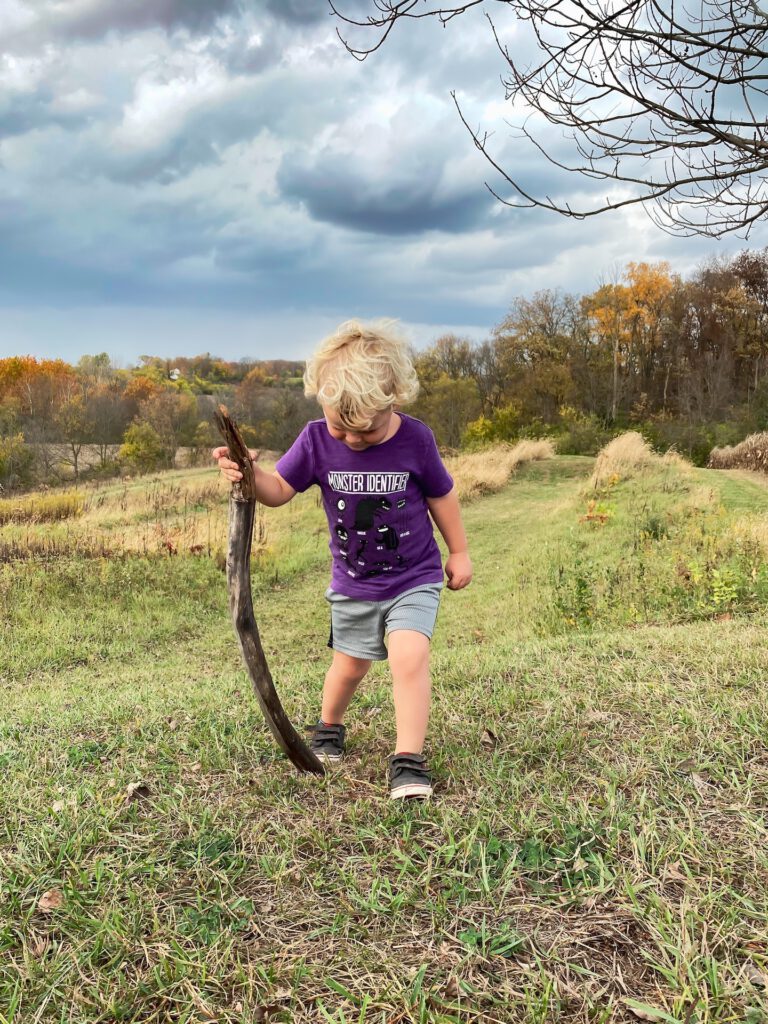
597,849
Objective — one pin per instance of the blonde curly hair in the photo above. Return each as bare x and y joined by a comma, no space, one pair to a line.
360,370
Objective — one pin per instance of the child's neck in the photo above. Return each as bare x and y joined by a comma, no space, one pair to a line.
394,426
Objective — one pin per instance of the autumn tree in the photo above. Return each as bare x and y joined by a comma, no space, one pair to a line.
751,270
109,414
16,462
142,450
173,417
534,347
448,405
74,428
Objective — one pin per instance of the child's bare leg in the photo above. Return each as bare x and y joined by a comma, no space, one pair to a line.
341,681
411,687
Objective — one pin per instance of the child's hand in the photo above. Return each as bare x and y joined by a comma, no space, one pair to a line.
458,569
229,468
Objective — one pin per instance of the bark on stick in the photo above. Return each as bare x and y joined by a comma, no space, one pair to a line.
242,509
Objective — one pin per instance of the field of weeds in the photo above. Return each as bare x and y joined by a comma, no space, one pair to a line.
596,848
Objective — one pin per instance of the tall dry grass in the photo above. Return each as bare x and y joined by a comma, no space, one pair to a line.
621,457
42,508
483,472
752,454
625,455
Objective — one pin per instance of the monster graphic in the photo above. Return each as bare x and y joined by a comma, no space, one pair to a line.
367,509
374,551
388,537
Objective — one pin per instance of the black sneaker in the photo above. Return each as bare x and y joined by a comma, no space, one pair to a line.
408,777
328,742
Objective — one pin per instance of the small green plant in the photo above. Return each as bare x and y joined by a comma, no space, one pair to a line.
502,940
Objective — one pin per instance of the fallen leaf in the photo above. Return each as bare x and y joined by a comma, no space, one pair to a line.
451,990
598,716
50,900
758,979
261,1013
701,783
136,791
673,871
488,739
37,944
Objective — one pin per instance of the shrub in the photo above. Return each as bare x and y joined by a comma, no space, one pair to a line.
502,425
142,449
103,470
17,462
580,433
693,440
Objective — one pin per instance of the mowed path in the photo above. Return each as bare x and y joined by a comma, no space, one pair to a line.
596,849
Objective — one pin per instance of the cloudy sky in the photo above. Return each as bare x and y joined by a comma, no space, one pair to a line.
181,176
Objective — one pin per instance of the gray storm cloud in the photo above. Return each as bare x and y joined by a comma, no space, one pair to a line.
232,155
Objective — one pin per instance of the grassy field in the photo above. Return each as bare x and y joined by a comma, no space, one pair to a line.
597,849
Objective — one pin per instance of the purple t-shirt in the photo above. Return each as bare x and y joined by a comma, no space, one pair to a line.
375,500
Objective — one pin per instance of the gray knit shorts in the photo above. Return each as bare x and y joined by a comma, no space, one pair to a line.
358,627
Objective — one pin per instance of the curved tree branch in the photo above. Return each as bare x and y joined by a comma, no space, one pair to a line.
665,100
242,508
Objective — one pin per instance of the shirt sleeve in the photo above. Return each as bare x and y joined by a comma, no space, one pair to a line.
436,481
297,466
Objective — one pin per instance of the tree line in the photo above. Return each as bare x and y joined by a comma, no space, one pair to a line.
683,360
59,421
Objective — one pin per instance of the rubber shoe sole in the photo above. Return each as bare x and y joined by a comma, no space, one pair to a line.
328,742
409,778
329,758
411,792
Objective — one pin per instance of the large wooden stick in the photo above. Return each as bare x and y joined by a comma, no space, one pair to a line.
242,509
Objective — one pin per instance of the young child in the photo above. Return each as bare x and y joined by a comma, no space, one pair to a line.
381,478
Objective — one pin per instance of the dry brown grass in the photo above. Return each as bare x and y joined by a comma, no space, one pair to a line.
628,453
41,508
621,458
752,532
752,454
484,472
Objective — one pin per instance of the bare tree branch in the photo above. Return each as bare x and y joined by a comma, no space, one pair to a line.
665,101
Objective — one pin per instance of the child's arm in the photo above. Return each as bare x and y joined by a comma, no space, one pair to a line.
446,513
271,489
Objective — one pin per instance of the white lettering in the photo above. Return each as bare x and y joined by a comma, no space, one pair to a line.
367,483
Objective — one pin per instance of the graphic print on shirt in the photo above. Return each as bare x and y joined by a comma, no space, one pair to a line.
369,528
